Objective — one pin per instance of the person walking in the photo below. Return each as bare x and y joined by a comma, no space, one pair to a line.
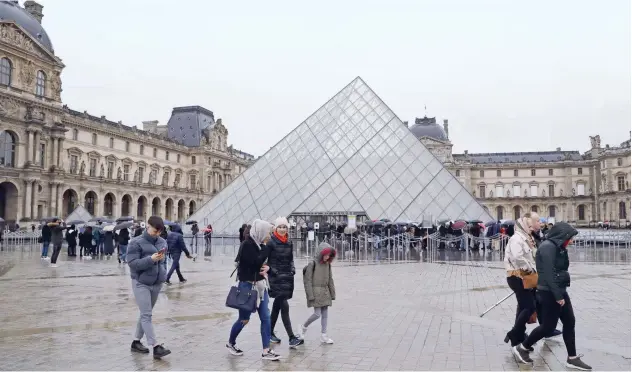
251,274
208,239
85,242
521,270
71,239
553,280
175,242
281,277
320,290
108,243
145,258
56,237
46,235
123,240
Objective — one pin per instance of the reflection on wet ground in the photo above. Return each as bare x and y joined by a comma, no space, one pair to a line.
407,316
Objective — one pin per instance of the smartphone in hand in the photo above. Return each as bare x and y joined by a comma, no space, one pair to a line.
162,251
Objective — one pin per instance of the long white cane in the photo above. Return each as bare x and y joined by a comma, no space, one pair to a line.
497,303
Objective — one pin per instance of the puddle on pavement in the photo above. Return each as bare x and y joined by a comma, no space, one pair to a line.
109,325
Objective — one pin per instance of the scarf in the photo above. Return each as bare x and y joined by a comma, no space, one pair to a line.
282,238
258,232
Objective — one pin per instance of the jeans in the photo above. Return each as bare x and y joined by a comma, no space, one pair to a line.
526,307
100,245
244,317
175,266
56,250
280,305
551,312
45,245
146,297
122,252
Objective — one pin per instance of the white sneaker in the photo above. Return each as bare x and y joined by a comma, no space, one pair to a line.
324,339
47,258
301,332
53,265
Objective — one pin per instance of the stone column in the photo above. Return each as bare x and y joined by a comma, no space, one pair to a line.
28,193
52,206
98,207
216,181
29,148
117,207
133,207
60,149
36,146
53,142
34,200
60,200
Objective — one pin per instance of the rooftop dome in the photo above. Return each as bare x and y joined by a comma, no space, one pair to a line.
12,12
428,127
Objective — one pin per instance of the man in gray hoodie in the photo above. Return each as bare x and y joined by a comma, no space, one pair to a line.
146,260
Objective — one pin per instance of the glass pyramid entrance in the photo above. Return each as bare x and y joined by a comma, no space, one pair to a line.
352,156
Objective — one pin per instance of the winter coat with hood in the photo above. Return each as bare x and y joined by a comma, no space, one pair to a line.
281,262
123,237
141,267
46,233
71,236
552,260
318,280
520,249
56,233
175,242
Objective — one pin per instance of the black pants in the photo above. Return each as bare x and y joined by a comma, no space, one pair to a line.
56,250
72,250
280,305
551,312
526,307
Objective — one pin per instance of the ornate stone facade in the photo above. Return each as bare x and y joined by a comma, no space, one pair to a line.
53,158
564,185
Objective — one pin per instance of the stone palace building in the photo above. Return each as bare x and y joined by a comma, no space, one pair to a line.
564,185
54,158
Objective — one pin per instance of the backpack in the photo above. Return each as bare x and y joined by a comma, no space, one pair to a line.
305,268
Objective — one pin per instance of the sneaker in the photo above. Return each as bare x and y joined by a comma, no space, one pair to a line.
555,333
138,347
270,355
160,351
577,363
233,349
274,339
183,281
324,339
46,258
53,265
301,332
521,354
167,282
295,342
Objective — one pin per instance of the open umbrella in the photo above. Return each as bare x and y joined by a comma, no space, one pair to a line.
474,221
458,225
402,223
121,225
108,228
191,222
75,222
49,219
492,222
508,222
170,223
124,219
1,220
442,221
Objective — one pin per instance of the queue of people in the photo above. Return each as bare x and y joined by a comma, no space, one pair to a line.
538,275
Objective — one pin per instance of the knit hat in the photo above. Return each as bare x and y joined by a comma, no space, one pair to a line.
281,221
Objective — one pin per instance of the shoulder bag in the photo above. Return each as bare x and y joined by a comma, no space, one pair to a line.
241,299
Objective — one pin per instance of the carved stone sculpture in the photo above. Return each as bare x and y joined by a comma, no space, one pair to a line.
474,193
525,193
27,73
508,194
595,142
176,182
82,168
573,192
8,107
543,193
152,177
102,174
561,192
56,85
119,174
136,175
590,191
165,180
491,193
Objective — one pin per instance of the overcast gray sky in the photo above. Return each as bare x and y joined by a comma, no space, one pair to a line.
509,75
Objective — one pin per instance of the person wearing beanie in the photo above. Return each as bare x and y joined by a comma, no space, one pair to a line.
320,290
281,278
552,264
147,267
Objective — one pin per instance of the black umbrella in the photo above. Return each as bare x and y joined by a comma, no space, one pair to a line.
474,221
124,225
1,220
75,222
378,223
489,223
402,223
124,219
441,222
191,222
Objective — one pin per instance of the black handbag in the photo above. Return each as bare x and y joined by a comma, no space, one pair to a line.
240,299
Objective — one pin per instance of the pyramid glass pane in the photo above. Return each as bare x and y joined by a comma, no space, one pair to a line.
352,155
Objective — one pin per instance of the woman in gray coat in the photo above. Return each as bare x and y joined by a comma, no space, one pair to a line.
320,290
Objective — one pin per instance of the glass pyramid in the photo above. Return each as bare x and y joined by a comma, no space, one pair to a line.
352,156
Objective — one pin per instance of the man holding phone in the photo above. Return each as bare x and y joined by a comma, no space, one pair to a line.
148,269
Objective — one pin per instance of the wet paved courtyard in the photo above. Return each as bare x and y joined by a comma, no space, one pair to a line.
409,316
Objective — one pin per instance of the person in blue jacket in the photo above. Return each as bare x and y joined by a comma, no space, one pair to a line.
175,242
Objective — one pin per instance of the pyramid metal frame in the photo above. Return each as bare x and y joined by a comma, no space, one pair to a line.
351,156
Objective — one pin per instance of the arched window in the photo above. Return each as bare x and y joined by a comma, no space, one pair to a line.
499,212
7,149
581,212
6,69
623,212
534,208
552,211
108,205
516,212
40,84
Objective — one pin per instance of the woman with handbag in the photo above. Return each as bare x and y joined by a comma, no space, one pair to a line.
521,275
251,275
553,279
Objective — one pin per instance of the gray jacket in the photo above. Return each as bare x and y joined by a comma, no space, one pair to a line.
318,281
57,233
141,266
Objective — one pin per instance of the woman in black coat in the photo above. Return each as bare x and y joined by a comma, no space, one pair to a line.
281,278
71,238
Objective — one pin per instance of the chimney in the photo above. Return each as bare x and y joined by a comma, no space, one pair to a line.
406,124
558,149
445,128
465,152
150,126
34,9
